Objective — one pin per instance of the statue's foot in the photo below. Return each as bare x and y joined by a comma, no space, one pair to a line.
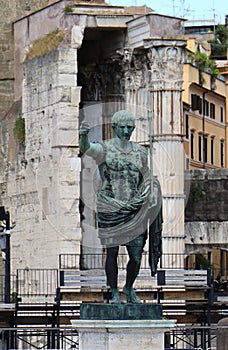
131,296
115,297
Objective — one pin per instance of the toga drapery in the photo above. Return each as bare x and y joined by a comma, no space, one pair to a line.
123,203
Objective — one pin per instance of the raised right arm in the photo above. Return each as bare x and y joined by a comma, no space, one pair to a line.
94,150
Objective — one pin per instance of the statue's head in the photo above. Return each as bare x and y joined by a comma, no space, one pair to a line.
123,124
123,116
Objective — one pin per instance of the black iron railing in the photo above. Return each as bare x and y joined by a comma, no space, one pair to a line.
97,261
178,338
192,338
43,283
13,291
39,338
37,282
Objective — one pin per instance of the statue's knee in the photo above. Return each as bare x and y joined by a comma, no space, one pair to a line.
137,259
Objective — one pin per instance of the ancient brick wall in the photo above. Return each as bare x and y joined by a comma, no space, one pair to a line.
206,212
10,12
207,198
39,183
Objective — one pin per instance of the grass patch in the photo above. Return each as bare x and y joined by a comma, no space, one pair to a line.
68,9
19,130
49,42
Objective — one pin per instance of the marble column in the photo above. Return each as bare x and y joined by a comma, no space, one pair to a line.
154,82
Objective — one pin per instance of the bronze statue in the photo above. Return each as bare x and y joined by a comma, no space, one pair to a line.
127,208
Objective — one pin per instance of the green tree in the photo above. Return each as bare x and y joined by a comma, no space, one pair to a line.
219,44
203,62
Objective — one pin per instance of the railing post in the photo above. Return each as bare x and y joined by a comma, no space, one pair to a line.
160,282
210,303
61,278
7,262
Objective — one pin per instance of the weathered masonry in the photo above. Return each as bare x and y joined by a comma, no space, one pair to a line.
206,217
98,49
104,58
108,59
10,11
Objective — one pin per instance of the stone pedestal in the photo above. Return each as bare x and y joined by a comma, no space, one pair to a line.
99,311
222,334
128,333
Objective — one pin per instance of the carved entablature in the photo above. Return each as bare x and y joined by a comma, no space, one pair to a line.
165,60
135,67
137,76
101,80
91,80
158,66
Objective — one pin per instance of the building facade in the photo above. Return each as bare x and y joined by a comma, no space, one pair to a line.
205,119
107,59
102,44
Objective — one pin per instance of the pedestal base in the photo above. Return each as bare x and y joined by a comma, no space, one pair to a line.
97,311
121,326
122,335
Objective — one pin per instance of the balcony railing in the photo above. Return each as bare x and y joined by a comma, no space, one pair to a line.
13,283
42,284
39,283
97,261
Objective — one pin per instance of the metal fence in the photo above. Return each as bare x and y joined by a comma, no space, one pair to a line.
97,261
13,283
191,338
178,338
38,283
38,338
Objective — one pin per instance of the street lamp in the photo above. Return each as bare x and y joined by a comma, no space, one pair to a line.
5,244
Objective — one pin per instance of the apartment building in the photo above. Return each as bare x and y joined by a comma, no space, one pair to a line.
204,101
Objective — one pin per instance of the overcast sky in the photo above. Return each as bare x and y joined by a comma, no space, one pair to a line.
189,9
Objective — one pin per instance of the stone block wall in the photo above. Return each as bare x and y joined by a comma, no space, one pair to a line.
10,12
44,191
207,199
206,212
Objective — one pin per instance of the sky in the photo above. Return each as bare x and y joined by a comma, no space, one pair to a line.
214,10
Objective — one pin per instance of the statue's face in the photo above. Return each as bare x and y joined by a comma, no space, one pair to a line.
124,129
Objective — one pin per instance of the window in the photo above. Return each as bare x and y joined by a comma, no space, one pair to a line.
196,103
187,126
222,153
206,108
212,110
212,150
223,262
192,145
205,149
221,115
200,148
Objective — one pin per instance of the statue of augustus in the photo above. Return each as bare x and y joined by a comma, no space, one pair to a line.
128,209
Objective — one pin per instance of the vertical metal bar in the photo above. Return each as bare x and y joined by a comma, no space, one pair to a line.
58,299
151,150
195,338
7,262
48,339
60,256
210,302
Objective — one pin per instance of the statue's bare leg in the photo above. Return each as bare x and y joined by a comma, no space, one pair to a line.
111,269
133,267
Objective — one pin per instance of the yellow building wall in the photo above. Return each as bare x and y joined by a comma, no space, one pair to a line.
201,124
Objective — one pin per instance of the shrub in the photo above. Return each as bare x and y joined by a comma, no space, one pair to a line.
19,130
